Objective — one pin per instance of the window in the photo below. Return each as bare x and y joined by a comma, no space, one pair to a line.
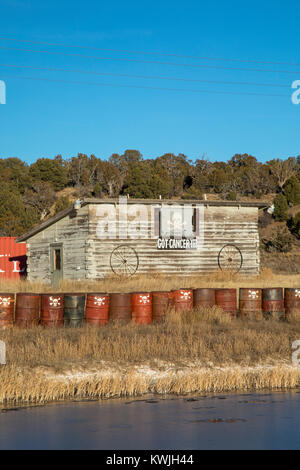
176,222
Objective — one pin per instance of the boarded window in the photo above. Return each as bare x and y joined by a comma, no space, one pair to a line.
176,221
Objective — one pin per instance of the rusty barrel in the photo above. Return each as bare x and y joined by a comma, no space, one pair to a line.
120,307
273,303
171,299
182,299
7,307
160,305
74,309
226,299
97,309
204,297
52,310
27,310
292,303
141,308
250,303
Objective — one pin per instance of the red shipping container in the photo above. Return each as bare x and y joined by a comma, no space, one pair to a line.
12,258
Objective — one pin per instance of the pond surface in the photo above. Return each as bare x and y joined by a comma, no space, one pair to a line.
227,421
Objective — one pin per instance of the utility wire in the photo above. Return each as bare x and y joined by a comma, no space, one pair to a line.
148,87
162,54
151,61
151,77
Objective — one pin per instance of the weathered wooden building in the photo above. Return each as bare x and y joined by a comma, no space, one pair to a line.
99,237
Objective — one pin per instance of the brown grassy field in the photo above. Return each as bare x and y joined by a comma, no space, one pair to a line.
200,351
158,282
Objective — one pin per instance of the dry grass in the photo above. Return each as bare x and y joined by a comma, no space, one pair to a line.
158,282
200,351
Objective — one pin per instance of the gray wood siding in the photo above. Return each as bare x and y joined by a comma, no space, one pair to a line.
72,233
87,256
222,225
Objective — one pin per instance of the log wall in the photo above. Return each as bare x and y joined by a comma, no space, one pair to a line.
72,233
89,236
222,225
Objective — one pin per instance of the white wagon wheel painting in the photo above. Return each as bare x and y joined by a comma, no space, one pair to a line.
124,261
230,258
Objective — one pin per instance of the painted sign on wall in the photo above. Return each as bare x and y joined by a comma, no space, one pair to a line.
177,243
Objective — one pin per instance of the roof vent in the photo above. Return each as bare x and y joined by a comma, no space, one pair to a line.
77,204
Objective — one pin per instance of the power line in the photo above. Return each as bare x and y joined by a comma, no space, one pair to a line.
162,54
176,64
149,87
155,77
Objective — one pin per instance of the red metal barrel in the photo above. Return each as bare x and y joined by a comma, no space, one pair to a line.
7,307
204,297
250,303
273,303
160,305
52,310
27,310
97,309
120,307
182,299
141,308
226,299
292,303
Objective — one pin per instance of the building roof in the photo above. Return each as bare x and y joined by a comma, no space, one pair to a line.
177,201
87,201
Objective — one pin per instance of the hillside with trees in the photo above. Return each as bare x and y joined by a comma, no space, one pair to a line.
29,194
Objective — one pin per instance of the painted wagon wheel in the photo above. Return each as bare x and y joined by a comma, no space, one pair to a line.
124,261
230,258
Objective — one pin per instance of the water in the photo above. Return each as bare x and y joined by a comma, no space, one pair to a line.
240,421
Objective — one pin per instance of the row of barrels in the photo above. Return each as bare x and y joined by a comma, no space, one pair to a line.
27,309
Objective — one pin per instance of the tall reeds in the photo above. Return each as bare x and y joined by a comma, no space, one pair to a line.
200,351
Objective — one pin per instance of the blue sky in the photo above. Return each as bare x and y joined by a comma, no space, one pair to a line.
43,118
